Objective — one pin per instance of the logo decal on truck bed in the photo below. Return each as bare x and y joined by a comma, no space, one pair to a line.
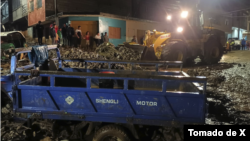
148,103
110,101
69,100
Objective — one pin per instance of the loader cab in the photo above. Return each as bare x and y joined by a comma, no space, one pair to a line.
190,25
187,17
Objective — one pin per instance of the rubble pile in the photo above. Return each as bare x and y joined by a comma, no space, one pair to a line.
228,93
105,51
6,110
30,41
14,131
109,52
18,131
76,53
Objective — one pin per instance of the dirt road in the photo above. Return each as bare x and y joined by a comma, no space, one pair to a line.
237,57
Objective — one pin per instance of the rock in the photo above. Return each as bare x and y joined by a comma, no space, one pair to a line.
8,106
5,110
3,123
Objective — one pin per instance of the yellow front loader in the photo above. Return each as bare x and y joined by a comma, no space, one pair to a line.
166,46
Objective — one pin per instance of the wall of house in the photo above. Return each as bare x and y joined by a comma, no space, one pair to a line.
133,27
38,14
129,28
68,20
21,11
63,21
235,33
30,32
104,24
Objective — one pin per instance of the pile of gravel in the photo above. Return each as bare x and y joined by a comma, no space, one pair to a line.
106,51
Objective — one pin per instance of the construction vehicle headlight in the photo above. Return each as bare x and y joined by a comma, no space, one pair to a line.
184,14
179,29
169,17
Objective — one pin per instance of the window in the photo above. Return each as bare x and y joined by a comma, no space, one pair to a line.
114,33
31,6
16,4
39,3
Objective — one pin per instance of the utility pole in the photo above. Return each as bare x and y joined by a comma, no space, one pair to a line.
56,18
238,25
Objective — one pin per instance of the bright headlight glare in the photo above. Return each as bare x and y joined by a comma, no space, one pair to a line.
179,29
169,17
184,14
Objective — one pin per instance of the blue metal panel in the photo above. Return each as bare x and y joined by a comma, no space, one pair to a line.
37,100
151,105
80,101
13,64
110,103
104,24
186,107
6,83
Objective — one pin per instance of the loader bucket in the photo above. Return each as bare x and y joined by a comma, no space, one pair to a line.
147,53
135,47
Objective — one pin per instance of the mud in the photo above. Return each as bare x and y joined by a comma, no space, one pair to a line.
228,93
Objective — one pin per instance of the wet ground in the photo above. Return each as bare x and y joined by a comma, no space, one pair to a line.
228,91
228,96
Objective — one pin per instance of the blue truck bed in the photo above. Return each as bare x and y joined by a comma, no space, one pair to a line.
135,97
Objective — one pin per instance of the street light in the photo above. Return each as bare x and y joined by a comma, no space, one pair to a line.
169,17
184,14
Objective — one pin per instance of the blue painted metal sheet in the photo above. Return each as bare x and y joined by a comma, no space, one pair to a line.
111,105
6,82
72,101
151,105
186,107
37,100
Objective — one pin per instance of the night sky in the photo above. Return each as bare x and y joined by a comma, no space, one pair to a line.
230,5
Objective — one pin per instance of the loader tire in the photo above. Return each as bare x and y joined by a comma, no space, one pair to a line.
213,51
175,51
111,133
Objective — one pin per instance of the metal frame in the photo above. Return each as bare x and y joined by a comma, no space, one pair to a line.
132,63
